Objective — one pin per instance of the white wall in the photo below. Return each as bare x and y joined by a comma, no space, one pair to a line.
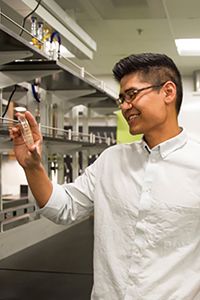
110,82
12,176
190,111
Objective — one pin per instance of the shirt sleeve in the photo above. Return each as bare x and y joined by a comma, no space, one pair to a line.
74,201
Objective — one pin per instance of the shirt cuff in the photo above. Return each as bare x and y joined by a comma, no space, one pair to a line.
56,202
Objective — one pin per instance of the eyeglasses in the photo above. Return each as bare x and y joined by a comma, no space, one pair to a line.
131,94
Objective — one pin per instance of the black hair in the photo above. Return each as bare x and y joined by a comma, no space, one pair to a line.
155,68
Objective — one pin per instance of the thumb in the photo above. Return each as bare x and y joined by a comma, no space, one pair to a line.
34,151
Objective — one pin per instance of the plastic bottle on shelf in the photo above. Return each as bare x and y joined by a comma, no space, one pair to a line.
55,43
37,114
40,34
34,30
46,41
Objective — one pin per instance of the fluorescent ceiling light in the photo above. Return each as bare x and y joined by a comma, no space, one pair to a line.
188,47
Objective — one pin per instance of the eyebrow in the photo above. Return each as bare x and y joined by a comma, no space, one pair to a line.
127,90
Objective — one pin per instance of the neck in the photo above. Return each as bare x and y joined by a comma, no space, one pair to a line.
156,137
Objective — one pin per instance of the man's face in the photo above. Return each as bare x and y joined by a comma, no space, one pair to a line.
147,112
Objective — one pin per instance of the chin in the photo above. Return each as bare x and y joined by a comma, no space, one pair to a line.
135,132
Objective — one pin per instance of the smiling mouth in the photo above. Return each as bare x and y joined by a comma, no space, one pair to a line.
133,117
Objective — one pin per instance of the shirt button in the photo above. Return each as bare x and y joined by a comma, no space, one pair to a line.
137,253
141,227
133,275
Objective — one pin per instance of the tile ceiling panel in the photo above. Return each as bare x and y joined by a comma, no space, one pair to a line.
115,9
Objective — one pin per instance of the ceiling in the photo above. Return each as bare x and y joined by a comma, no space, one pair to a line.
124,27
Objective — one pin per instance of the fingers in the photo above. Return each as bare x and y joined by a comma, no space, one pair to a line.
31,119
16,137
14,132
32,123
11,134
35,153
32,148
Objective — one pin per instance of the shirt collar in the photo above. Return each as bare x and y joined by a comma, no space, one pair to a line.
168,146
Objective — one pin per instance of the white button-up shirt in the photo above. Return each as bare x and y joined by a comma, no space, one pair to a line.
147,219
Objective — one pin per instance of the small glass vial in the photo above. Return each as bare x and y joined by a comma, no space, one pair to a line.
26,131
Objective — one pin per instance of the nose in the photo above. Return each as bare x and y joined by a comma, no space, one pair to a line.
126,105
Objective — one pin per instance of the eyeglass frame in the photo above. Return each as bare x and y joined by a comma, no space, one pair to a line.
122,98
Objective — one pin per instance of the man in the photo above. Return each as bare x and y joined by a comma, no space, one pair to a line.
145,195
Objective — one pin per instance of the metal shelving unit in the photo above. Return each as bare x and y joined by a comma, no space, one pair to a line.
21,61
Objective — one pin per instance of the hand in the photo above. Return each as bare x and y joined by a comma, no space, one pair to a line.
28,156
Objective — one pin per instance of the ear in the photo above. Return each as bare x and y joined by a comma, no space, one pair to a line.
169,90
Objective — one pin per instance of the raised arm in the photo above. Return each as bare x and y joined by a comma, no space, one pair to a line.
29,157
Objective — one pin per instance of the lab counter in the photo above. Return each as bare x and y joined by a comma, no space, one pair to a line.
59,267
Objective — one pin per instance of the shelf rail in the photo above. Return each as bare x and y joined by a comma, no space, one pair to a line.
79,70
61,134
19,26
